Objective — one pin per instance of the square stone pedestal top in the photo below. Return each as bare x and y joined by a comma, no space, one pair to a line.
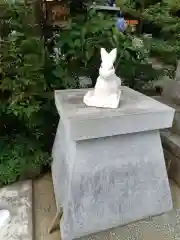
136,113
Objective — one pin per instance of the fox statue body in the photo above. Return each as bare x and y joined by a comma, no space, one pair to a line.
107,91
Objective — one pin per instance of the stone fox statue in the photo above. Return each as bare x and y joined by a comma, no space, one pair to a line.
107,92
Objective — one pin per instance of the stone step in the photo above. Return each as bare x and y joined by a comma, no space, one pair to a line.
171,142
171,145
173,166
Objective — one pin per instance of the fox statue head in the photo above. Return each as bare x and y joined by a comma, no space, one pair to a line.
107,64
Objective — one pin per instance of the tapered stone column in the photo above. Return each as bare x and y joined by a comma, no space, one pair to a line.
108,165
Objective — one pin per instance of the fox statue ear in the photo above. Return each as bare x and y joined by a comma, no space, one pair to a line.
104,54
113,54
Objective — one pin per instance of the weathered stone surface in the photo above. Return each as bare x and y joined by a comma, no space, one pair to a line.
173,164
108,177
17,198
160,83
162,227
133,185
171,88
171,92
136,113
176,122
171,142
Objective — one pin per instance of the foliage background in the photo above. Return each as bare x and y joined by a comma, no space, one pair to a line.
162,20
25,139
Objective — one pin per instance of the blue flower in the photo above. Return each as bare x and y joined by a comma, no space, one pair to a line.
121,24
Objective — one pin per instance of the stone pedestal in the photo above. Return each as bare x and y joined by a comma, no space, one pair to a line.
108,166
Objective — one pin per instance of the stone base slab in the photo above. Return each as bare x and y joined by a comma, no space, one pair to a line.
17,198
136,113
176,122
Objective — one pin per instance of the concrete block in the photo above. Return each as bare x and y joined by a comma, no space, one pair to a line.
136,113
108,165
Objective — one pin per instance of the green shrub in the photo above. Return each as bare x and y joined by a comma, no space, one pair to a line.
21,158
27,113
80,48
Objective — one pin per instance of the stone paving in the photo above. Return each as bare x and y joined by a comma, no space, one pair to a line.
44,209
163,227
17,198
